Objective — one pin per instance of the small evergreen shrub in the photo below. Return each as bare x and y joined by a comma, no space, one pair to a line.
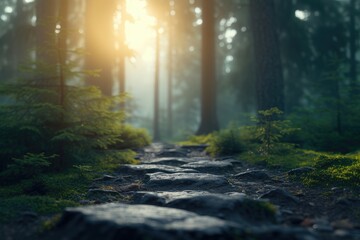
271,130
30,165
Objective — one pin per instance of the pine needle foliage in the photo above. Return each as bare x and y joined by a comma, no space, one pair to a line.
43,115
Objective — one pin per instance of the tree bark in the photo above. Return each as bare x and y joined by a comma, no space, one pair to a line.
268,68
122,52
156,86
170,74
209,122
45,40
353,49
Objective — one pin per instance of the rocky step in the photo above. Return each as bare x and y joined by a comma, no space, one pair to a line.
145,222
186,181
230,206
152,168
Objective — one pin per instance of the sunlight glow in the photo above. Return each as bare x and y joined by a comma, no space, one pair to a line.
302,15
139,32
28,1
57,29
8,9
4,18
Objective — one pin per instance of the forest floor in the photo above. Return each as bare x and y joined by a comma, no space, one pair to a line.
181,193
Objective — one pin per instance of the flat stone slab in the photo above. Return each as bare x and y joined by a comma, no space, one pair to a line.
169,161
122,221
280,196
254,175
210,166
162,198
229,206
186,181
153,168
172,153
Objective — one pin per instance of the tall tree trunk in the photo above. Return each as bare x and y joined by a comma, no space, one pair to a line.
209,122
62,31
62,47
45,40
170,74
156,86
122,51
353,49
99,42
269,76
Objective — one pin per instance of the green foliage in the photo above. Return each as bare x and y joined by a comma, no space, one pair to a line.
271,129
293,159
113,159
330,169
330,119
132,138
226,142
34,122
57,190
28,166
198,139
318,128
38,204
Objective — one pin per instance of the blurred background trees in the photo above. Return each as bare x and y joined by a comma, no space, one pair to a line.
301,56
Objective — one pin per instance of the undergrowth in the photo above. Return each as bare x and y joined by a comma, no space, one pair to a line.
265,144
50,193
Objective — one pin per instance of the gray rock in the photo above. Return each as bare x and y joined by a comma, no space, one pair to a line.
199,147
210,166
280,196
121,221
169,161
300,171
152,168
171,153
231,206
105,178
162,198
102,196
254,175
186,181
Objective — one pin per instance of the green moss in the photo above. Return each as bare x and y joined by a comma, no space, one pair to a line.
293,159
50,223
200,139
330,169
335,170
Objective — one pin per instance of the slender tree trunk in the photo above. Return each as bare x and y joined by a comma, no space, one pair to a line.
62,34
62,47
209,122
156,87
122,50
45,39
269,76
170,75
353,49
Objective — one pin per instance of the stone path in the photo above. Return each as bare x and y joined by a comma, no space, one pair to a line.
179,193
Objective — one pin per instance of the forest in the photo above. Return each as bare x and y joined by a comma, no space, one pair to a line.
91,91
